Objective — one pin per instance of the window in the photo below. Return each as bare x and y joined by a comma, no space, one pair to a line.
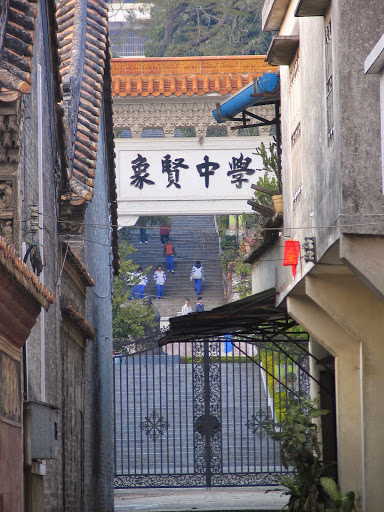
217,131
329,81
126,44
249,131
148,133
295,124
185,131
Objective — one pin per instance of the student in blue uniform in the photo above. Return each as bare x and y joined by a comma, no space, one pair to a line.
160,277
197,275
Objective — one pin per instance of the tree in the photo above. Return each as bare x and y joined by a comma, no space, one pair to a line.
204,27
131,318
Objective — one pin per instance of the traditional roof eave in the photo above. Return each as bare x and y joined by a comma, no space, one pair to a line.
80,321
111,155
16,45
184,76
86,83
78,264
20,273
21,296
82,71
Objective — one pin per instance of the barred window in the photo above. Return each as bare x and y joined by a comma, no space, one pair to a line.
126,44
329,81
296,128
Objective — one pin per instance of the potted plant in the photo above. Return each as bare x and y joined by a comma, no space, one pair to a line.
269,188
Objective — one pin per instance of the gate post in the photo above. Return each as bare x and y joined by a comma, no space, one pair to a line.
207,409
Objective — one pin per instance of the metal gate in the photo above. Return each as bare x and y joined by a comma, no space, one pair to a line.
194,413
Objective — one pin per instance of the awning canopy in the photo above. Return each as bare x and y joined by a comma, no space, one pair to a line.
257,314
261,91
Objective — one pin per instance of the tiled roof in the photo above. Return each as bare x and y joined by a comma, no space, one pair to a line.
188,76
71,32
16,45
25,279
85,71
76,261
80,321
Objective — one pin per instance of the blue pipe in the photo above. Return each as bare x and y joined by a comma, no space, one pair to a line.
266,85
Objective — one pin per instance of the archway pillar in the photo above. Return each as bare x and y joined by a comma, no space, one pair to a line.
346,350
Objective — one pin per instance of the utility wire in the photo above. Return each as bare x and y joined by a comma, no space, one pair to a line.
199,229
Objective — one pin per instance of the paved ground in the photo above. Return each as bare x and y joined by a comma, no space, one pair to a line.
188,500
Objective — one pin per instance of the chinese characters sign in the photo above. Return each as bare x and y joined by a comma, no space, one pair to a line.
238,168
187,175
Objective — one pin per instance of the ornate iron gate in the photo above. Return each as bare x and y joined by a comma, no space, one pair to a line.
194,414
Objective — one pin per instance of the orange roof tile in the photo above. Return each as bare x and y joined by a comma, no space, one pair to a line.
166,76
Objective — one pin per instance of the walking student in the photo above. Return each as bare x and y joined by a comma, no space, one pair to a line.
197,275
199,306
140,288
160,277
169,253
187,308
142,224
164,233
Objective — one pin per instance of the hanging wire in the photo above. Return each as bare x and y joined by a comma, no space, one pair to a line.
198,229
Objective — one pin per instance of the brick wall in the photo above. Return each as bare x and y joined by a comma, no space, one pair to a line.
78,373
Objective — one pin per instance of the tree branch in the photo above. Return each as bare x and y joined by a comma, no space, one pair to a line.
170,29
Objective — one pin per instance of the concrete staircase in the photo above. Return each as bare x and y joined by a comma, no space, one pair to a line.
194,238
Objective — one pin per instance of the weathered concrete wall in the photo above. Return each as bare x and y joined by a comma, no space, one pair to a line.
339,301
99,461
64,369
341,182
357,28
319,203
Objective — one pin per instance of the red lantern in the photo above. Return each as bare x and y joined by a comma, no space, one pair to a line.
291,255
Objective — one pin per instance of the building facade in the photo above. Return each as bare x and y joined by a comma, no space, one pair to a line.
163,106
57,157
333,206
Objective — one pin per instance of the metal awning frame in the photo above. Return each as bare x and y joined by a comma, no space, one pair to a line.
256,315
245,122
263,122
255,320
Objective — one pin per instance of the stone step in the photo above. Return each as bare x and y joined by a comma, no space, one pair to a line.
194,238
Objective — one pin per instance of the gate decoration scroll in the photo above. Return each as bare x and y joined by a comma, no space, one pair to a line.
207,408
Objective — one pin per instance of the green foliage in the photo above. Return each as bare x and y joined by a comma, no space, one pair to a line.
339,501
201,27
271,164
229,248
271,178
244,272
229,243
261,197
308,488
147,221
300,450
273,369
130,318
